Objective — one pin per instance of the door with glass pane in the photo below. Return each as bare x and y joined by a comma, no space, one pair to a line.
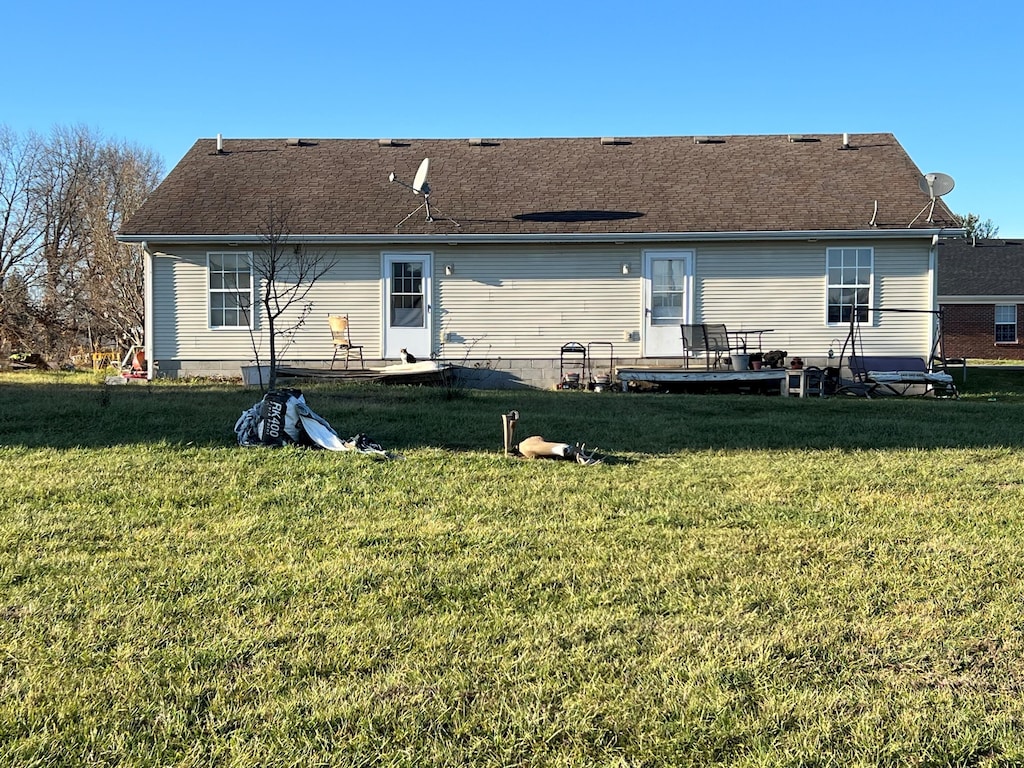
407,304
668,280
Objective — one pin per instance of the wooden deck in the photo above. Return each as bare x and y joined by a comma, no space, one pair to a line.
700,378
415,373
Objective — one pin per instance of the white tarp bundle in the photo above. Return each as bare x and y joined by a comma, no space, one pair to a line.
283,418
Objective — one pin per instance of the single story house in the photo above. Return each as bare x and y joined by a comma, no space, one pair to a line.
981,294
529,244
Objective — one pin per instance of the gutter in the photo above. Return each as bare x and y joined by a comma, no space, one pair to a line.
987,298
616,238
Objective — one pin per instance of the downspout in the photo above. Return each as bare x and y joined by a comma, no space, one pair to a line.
147,309
933,287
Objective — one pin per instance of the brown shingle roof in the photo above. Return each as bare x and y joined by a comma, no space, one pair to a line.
984,268
543,186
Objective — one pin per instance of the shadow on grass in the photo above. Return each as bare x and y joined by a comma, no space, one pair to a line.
404,418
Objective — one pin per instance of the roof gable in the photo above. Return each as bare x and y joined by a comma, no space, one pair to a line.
543,187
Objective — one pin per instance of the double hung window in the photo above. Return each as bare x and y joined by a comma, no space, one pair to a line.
1006,323
231,289
850,275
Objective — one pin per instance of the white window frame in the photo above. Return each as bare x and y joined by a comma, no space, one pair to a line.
848,269
1011,310
404,291
675,288
220,288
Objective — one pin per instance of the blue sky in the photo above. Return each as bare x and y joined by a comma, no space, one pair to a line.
947,78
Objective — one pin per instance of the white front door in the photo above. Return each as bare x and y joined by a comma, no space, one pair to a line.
407,304
668,284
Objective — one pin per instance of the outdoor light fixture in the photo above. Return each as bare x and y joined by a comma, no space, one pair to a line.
449,269
625,269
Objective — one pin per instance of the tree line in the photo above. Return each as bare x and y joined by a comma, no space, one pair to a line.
66,284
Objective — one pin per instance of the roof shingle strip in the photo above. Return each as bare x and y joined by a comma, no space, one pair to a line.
985,267
543,186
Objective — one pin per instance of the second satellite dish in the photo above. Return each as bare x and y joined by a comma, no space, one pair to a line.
936,184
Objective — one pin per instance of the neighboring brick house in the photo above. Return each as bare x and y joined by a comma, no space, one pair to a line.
981,294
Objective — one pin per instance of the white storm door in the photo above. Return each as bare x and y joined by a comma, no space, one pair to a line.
668,283
407,304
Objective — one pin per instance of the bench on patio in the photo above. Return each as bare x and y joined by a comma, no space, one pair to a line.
881,375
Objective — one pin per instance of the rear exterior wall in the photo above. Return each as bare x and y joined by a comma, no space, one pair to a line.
505,311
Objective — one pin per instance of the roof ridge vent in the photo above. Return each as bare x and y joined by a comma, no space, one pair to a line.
799,138
483,142
707,140
614,141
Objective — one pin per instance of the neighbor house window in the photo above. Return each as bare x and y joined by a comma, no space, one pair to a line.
850,272
230,290
1006,323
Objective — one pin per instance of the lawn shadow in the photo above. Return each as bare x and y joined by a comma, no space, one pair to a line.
407,418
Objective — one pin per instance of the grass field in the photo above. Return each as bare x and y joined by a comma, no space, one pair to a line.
745,581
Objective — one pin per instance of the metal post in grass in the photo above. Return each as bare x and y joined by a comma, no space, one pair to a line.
508,423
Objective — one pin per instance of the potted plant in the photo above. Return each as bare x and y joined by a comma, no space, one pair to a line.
756,360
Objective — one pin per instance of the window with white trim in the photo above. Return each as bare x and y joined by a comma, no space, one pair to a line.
668,291
850,273
231,285
1006,323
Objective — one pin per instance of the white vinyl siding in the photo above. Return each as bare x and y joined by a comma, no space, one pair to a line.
180,311
527,302
781,286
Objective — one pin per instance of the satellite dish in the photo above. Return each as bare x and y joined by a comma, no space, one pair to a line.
936,184
420,186
419,182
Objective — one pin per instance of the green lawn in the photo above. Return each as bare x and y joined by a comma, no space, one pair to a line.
745,581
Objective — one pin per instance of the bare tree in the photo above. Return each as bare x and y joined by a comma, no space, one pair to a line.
20,236
285,274
67,171
64,280
114,281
